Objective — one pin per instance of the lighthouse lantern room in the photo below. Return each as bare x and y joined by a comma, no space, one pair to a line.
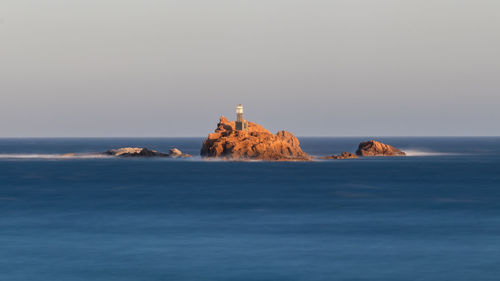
241,123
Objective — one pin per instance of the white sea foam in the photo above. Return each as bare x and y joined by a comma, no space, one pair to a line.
421,152
409,152
52,156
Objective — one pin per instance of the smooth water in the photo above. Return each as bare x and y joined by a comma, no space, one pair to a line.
432,216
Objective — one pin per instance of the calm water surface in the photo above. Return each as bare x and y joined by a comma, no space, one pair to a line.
431,216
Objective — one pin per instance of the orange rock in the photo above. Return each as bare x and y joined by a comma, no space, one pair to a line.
256,143
375,148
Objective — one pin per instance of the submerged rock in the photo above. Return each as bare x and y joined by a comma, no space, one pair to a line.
144,152
375,148
255,143
343,155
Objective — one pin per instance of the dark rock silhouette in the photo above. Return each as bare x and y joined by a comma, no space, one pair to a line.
343,155
144,152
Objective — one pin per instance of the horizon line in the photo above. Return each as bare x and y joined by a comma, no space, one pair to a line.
298,136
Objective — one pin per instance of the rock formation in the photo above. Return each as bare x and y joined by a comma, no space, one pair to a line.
144,152
174,152
375,148
343,155
255,143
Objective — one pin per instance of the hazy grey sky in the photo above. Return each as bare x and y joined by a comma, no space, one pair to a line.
170,68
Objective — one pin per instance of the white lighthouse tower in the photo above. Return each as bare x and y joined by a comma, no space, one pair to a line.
241,123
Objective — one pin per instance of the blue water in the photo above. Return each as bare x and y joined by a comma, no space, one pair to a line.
430,217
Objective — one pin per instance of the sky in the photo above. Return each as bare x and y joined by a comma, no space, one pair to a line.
128,68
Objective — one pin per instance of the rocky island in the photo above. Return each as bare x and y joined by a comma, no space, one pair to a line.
375,148
343,155
243,140
145,152
369,148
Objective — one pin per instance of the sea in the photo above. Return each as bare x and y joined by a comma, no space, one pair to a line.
433,215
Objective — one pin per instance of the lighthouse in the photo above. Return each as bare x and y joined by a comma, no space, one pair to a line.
241,123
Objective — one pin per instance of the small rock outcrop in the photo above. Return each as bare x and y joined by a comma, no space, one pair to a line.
134,152
144,152
176,153
255,143
343,155
375,148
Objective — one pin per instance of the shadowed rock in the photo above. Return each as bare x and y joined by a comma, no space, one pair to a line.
343,155
144,152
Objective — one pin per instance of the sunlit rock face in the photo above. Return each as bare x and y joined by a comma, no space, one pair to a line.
255,143
375,148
